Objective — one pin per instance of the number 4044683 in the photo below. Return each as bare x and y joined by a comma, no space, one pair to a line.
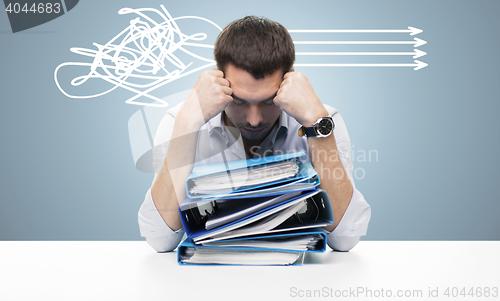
37,8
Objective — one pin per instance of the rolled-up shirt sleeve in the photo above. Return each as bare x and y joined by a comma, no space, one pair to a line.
152,226
354,222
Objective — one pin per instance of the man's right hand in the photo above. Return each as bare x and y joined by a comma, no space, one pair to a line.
211,95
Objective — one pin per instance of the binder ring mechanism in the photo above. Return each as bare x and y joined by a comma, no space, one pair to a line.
199,219
312,210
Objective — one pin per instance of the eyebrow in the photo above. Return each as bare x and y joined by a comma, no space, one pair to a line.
267,99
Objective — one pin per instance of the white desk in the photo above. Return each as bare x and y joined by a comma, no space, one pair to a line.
133,271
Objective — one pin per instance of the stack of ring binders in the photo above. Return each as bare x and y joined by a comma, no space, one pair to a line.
265,211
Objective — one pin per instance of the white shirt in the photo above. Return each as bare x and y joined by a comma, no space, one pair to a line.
215,138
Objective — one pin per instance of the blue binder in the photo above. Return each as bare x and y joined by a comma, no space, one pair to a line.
305,172
305,179
189,246
319,247
212,168
320,207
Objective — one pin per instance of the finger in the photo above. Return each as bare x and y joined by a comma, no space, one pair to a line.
278,96
223,82
283,83
217,73
229,100
288,74
276,100
227,90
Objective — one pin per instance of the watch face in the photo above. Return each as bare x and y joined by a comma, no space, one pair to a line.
325,126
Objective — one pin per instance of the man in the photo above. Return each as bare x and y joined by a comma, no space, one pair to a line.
253,104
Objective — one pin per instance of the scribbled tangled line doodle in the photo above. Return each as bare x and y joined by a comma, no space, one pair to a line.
144,56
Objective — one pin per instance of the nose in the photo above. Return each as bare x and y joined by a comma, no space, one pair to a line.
254,116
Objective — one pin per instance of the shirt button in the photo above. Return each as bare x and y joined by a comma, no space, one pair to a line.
224,134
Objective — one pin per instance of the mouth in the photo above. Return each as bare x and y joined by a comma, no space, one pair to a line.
254,131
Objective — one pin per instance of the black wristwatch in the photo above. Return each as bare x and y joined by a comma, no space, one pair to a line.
323,127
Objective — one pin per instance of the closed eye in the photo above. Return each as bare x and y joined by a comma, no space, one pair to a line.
239,102
268,102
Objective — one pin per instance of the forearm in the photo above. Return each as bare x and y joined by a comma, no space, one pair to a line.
334,179
168,190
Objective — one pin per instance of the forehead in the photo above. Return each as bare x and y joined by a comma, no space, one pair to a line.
247,88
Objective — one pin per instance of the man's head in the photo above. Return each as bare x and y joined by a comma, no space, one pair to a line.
257,45
254,54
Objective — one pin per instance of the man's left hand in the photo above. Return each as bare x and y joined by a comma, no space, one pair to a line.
297,98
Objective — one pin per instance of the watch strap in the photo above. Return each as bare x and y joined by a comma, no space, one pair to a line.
308,131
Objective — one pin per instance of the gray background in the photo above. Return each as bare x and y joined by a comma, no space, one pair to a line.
66,166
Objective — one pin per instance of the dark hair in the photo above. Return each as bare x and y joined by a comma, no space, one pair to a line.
257,45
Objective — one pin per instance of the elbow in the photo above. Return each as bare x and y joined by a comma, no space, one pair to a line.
343,243
161,244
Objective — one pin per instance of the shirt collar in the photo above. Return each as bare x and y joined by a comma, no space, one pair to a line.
215,123
283,125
